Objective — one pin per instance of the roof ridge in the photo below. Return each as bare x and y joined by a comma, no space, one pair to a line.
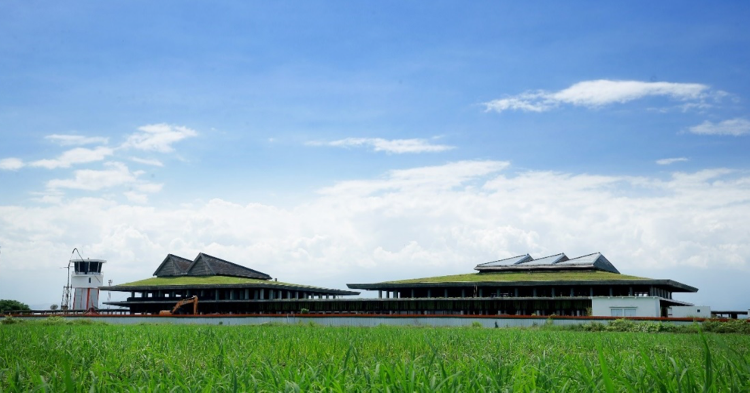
505,259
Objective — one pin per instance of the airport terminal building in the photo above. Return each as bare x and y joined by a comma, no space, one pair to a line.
521,285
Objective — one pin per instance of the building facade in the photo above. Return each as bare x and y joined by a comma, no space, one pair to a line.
522,285
222,287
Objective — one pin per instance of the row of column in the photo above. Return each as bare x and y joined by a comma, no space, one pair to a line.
239,294
653,291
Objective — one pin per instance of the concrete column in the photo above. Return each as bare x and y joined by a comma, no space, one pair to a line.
630,291
553,292
463,293
571,292
515,292
445,292
429,293
262,294
534,292
412,292
216,294
591,291
610,291
480,292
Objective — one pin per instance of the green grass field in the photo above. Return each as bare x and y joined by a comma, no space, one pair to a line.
99,358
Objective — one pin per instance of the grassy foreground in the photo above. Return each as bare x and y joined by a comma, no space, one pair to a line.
78,358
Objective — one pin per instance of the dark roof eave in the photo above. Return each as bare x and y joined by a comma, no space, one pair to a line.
674,285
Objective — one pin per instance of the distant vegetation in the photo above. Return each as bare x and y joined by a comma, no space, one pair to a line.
52,355
13,305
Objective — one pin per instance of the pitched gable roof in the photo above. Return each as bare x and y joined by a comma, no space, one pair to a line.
173,266
595,261
207,265
559,262
506,262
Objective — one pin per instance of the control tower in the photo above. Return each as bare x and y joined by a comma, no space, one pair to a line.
85,280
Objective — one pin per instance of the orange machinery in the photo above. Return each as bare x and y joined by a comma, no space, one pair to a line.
193,300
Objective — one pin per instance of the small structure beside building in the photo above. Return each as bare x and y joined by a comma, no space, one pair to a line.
626,306
730,314
690,312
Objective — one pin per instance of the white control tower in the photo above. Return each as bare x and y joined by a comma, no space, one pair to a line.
85,280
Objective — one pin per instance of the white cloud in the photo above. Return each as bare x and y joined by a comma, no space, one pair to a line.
136,197
735,127
79,155
397,146
147,161
669,161
67,140
597,93
425,178
158,137
411,223
92,180
150,188
11,164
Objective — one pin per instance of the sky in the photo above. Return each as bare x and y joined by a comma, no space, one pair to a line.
336,142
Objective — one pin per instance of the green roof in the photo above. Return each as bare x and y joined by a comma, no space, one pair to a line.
522,276
205,280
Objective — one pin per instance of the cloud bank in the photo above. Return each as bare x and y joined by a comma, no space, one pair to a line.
67,140
409,223
735,127
158,137
598,93
670,161
395,146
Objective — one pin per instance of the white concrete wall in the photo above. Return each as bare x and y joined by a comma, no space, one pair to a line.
690,311
82,280
645,306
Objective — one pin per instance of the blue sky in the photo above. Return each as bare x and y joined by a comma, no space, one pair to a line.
335,142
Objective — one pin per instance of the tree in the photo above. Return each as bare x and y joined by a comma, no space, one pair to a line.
53,307
13,305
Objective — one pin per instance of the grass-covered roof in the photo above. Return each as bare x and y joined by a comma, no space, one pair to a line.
209,281
528,278
523,276
201,280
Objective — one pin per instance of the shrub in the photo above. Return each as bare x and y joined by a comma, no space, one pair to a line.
8,320
7,305
730,326
54,320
